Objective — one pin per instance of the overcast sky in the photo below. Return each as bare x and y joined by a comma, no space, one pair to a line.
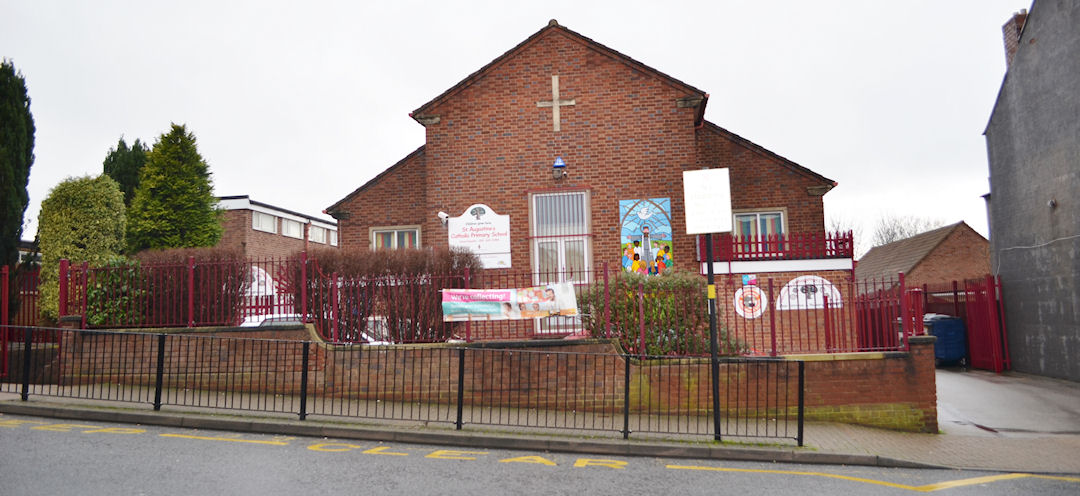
298,103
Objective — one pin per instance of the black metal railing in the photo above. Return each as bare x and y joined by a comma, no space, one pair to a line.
507,387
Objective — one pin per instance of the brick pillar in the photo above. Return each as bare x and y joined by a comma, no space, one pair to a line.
922,363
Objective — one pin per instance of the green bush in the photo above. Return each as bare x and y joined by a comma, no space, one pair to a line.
673,307
116,294
82,219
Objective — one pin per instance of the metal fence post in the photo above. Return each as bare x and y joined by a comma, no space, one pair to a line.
303,286
85,292
607,304
641,319
828,331
63,303
159,378
28,341
191,291
304,380
772,318
626,398
802,398
4,295
468,323
460,387
905,314
334,306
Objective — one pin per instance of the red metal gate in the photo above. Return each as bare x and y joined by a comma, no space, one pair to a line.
987,344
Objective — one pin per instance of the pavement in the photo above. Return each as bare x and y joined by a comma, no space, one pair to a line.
1008,422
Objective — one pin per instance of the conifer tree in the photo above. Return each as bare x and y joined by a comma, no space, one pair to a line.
123,165
174,205
16,157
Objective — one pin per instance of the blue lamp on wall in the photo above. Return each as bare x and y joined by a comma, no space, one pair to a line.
558,169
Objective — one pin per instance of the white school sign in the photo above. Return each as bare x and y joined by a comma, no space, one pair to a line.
707,196
480,230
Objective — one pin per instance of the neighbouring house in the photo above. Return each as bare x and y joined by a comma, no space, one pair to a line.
563,157
940,256
1033,147
261,230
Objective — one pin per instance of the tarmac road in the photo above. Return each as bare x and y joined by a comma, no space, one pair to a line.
50,456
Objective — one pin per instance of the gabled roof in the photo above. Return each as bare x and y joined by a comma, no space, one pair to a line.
763,151
553,26
332,209
885,261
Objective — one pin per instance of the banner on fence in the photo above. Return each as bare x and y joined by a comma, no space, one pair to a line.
508,304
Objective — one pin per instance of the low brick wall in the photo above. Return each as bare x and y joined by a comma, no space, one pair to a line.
894,390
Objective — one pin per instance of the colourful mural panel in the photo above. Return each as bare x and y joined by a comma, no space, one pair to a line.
645,235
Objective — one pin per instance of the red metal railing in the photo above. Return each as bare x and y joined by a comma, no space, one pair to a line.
190,294
789,246
648,315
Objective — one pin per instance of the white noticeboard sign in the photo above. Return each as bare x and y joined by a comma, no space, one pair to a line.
480,230
707,196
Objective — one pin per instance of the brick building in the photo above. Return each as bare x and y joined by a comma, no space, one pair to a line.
261,230
581,148
952,253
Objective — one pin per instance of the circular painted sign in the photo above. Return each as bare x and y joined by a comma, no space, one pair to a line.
750,302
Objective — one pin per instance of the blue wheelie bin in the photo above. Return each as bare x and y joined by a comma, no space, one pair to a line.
951,345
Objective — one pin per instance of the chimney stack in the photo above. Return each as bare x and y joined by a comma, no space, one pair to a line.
1011,31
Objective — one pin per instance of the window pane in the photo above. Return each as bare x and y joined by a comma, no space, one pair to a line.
575,260
771,224
291,228
384,239
263,222
406,239
744,224
333,238
547,260
560,214
317,234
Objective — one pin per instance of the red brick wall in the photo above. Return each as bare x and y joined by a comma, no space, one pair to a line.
239,234
761,181
625,138
396,199
964,254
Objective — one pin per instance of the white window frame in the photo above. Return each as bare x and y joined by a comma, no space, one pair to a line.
317,238
394,239
757,213
333,237
560,325
286,231
260,219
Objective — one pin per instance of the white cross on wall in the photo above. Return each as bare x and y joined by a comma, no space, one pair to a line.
555,103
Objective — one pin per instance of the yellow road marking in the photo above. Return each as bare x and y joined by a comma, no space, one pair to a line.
593,462
115,430
454,454
381,450
969,482
64,427
334,447
922,489
228,439
13,423
529,459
